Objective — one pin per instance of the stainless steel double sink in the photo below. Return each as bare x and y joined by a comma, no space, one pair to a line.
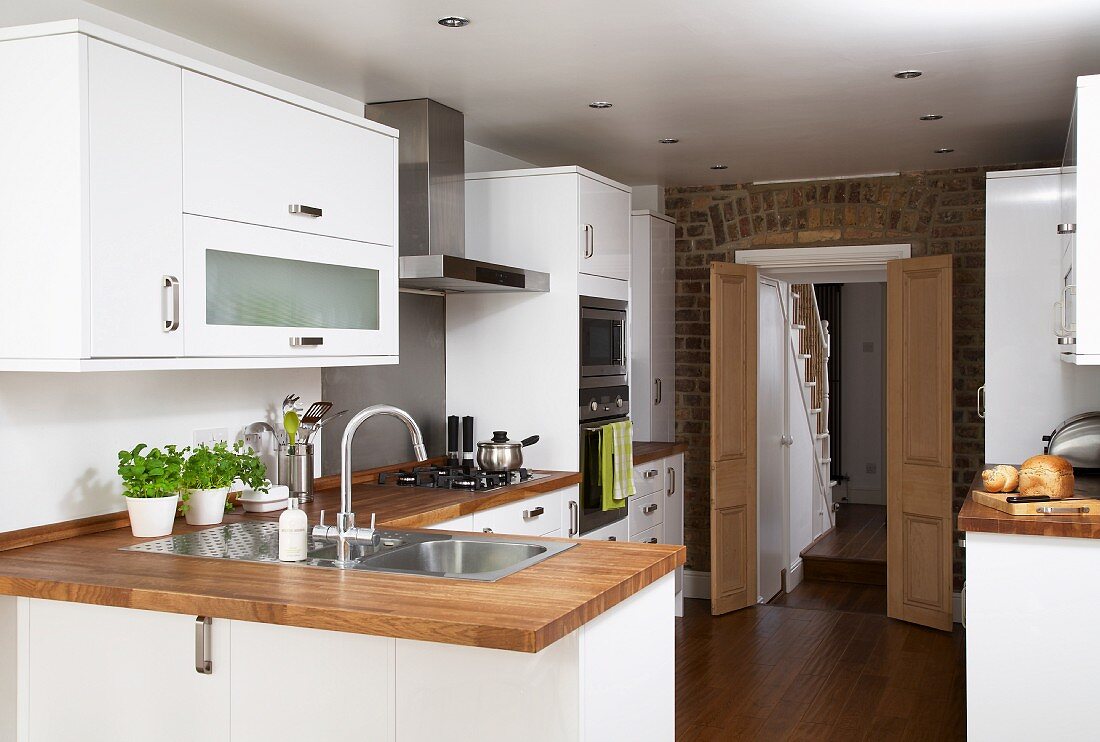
452,556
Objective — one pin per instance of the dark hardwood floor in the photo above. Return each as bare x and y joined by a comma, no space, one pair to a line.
835,596
781,673
854,550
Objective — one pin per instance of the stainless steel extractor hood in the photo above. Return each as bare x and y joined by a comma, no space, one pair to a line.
431,190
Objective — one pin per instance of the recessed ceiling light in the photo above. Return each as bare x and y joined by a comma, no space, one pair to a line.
668,140
718,167
908,74
931,117
454,21
600,104
944,150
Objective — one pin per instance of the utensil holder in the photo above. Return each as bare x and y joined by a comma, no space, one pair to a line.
296,469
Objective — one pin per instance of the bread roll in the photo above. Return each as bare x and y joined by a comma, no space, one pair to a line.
1001,478
1047,475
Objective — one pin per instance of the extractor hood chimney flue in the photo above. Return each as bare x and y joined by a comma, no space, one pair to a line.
432,208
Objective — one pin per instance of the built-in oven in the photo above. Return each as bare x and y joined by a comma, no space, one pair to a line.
598,407
604,359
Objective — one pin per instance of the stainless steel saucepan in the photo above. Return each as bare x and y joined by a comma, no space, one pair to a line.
501,454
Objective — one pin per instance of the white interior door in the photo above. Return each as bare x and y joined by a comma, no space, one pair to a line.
771,433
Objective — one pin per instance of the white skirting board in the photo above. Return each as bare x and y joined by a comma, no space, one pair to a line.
697,585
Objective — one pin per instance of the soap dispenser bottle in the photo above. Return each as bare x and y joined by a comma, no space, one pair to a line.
293,529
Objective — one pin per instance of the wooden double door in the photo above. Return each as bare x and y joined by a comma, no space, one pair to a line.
918,447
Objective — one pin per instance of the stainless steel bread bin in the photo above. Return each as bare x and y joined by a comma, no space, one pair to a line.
1077,440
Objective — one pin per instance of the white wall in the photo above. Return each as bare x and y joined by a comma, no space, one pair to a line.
862,376
483,160
60,433
651,197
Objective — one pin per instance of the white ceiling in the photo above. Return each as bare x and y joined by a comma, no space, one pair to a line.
775,90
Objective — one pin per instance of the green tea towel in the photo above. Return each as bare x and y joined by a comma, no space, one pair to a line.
616,464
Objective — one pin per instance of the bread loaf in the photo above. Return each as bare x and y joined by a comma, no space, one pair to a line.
1047,475
1001,478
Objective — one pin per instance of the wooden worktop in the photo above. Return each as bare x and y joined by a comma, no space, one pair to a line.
646,451
526,611
975,518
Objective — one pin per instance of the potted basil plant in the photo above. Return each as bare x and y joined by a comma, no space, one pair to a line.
151,483
208,474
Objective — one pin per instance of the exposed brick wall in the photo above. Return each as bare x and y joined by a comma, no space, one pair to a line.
940,212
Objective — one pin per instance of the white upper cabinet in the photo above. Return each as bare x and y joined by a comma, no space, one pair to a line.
604,209
154,216
1077,313
255,159
652,326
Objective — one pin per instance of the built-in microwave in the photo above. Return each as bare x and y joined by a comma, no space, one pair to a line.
604,358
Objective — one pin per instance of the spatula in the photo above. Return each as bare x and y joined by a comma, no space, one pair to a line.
316,411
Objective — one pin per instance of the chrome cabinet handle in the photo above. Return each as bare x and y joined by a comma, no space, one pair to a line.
305,210
1067,228
657,400
589,241
672,482
534,513
486,530
203,664
650,473
981,402
649,509
302,342
170,304
574,518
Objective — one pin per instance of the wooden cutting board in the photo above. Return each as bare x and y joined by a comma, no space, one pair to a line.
1071,506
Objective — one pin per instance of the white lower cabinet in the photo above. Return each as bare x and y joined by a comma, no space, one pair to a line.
104,674
101,674
462,523
540,515
617,531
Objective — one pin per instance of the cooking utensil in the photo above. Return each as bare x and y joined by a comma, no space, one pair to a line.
501,454
290,424
289,401
316,411
320,424
1017,499
1077,440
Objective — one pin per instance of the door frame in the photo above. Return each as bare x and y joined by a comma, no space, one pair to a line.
828,264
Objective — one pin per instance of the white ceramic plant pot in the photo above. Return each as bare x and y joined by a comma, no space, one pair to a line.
152,516
206,507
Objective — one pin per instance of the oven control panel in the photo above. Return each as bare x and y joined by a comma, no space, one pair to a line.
606,401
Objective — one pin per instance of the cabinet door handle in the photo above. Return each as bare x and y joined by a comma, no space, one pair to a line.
203,664
650,473
1062,316
170,303
486,530
657,399
671,482
981,402
296,342
574,518
651,540
305,210
612,538
589,241
649,509
534,513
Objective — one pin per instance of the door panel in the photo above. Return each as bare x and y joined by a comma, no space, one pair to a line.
662,315
773,346
604,247
919,449
733,308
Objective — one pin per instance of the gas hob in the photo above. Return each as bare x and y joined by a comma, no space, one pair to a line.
457,478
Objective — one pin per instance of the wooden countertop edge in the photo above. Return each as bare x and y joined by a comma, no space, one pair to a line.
394,625
653,450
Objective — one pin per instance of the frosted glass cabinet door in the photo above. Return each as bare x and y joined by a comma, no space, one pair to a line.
258,291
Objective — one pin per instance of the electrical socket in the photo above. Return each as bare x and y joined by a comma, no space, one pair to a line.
872,469
209,436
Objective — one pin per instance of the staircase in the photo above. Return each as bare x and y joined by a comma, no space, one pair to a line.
810,343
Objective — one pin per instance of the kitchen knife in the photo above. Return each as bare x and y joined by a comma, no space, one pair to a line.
452,440
1018,499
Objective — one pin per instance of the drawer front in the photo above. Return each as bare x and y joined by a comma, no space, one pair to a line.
249,158
258,291
646,512
647,478
616,531
648,536
531,517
